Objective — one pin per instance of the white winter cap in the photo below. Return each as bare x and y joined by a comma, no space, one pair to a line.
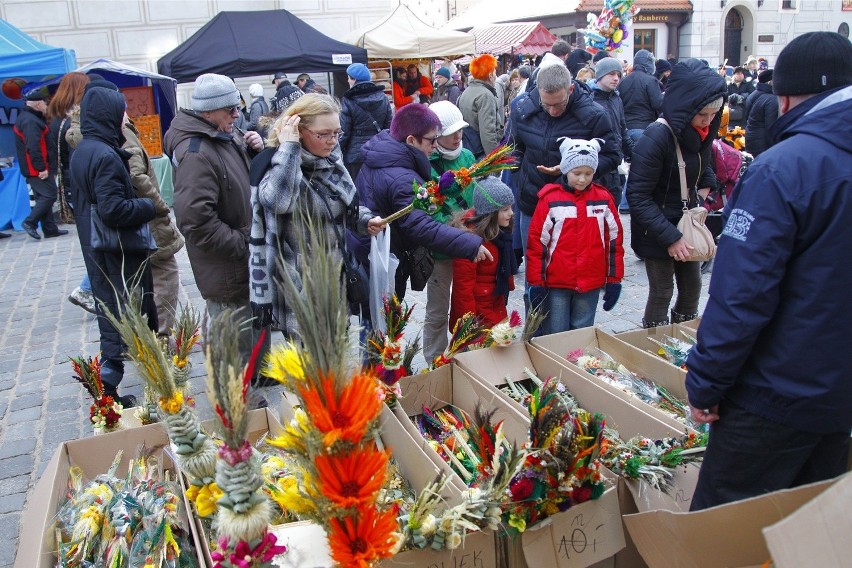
450,117
256,90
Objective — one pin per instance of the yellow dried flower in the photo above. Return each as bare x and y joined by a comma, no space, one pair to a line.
205,497
284,364
172,405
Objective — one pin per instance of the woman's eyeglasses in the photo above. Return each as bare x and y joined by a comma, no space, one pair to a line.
326,137
432,139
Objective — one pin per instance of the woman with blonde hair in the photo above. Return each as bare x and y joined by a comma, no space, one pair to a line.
299,176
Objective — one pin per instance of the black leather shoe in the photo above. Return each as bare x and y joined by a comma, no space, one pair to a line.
5,235
31,231
58,233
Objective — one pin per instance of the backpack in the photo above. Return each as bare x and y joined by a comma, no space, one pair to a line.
728,164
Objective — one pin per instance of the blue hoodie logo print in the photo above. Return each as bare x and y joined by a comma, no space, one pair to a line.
738,224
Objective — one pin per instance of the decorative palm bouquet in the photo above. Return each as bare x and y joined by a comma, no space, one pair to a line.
428,197
391,357
105,412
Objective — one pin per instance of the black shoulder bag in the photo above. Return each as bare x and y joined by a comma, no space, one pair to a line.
356,278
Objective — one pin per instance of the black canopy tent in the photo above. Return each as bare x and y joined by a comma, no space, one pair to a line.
243,44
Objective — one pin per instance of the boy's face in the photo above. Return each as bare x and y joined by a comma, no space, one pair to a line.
610,81
504,216
580,178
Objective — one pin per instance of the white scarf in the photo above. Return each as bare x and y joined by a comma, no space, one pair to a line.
450,154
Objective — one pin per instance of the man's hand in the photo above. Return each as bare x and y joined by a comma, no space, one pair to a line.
254,141
375,226
43,175
549,170
704,415
483,254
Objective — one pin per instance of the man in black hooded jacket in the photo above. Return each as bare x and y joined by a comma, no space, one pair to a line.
100,177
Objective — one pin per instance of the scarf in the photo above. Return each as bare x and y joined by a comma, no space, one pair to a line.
702,132
506,264
450,154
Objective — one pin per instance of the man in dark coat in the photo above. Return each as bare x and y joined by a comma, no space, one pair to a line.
100,178
605,91
32,148
738,91
365,111
558,107
761,111
770,371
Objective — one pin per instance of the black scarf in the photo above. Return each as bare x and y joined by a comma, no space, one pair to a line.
506,264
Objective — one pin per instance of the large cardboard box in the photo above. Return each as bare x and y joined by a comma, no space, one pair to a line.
729,535
94,456
818,533
638,338
559,345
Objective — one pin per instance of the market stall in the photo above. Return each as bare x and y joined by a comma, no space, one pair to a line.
23,60
272,40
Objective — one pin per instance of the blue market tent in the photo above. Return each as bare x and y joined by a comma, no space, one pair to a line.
21,55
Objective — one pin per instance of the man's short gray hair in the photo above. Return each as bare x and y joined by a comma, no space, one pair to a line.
553,78
560,48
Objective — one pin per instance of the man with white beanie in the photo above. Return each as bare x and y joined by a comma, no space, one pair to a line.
212,199
449,155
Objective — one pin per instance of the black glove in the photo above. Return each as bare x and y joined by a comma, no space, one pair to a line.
611,293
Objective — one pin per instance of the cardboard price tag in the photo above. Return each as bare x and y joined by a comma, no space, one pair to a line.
580,536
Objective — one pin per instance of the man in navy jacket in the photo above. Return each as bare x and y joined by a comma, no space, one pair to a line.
771,371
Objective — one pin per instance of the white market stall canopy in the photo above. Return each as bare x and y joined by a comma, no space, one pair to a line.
402,35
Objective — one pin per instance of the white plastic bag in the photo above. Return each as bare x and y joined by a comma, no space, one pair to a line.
383,266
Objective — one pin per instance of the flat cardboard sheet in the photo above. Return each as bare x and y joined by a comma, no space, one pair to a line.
729,535
818,534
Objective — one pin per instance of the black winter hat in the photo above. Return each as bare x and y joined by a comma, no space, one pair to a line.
600,55
661,65
764,76
813,63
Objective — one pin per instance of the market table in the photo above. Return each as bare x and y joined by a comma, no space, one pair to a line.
14,198
164,171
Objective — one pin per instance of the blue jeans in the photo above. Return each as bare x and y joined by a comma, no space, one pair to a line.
635,134
86,284
568,309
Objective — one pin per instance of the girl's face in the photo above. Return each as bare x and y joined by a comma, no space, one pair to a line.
704,117
580,178
515,82
504,216
451,141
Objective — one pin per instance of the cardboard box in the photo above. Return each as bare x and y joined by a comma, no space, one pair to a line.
693,324
94,456
559,345
638,338
818,533
729,535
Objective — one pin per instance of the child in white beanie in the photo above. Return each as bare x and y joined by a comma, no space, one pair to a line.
574,248
483,287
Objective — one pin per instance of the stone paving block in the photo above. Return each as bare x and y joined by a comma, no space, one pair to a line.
17,465
21,431
12,503
9,527
33,382
63,390
67,403
12,448
17,484
24,415
36,365
26,401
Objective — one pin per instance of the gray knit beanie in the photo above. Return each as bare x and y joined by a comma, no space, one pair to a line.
576,153
213,92
606,66
490,195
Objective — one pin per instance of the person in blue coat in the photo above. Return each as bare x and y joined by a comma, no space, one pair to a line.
771,369
761,113
100,177
394,160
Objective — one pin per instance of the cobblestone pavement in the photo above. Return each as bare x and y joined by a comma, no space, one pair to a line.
42,406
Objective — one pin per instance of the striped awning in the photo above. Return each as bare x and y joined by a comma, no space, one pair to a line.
524,38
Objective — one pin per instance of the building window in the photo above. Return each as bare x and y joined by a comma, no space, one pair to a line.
790,5
644,39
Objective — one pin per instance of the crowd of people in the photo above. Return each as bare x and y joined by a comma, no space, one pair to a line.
243,195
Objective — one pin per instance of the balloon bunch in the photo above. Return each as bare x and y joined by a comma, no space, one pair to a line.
607,31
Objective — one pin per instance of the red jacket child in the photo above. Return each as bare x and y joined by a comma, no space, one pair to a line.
575,239
483,287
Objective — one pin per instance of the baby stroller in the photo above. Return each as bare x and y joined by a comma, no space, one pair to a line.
729,165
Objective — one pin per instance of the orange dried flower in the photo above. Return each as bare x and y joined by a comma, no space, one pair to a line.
352,480
346,417
360,543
